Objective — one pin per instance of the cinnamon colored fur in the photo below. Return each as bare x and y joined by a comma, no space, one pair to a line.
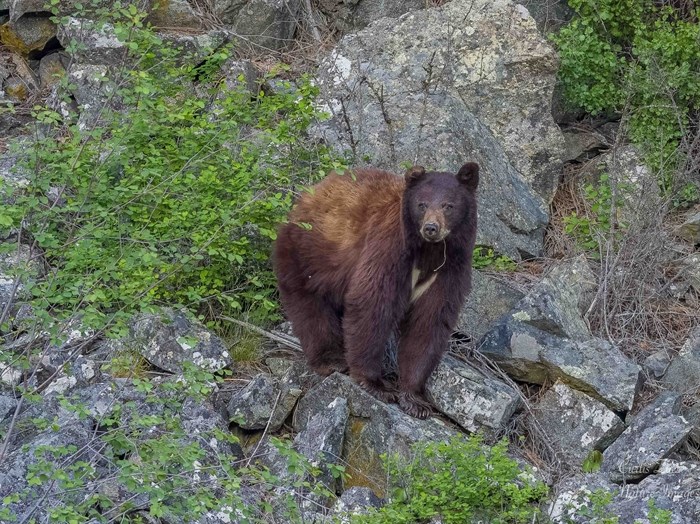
383,254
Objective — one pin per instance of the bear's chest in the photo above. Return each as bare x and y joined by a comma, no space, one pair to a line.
421,281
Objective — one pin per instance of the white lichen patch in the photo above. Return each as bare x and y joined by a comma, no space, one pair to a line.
61,385
340,67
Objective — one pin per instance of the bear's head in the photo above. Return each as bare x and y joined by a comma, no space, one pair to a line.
438,202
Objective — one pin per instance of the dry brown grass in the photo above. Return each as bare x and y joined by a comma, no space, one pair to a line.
637,265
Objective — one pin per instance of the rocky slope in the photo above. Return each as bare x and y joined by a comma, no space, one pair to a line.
468,80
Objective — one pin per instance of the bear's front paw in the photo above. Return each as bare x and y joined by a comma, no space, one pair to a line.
380,389
415,405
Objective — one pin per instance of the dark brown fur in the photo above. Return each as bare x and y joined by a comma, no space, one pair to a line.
347,282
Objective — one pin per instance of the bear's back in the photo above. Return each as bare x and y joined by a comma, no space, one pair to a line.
343,209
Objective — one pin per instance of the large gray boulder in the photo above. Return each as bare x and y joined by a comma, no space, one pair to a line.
471,80
656,431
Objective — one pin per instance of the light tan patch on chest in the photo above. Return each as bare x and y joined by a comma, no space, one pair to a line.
417,290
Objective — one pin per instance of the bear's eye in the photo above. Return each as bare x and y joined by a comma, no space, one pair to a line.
422,206
447,207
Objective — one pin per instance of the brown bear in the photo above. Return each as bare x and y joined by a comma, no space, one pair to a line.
367,254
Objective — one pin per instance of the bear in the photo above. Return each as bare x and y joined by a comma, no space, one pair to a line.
367,254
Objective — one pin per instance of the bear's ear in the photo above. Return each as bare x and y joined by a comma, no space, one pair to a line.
415,173
468,175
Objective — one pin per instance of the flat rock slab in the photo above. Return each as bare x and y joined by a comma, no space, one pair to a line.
373,429
575,423
683,373
471,398
653,435
170,338
263,400
592,366
674,488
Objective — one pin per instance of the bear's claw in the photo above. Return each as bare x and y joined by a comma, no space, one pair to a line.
415,406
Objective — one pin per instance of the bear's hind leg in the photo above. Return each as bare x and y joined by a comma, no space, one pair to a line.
317,325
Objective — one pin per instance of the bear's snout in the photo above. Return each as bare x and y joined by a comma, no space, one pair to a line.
431,230
433,226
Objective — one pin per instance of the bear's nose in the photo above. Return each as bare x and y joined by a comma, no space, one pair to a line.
431,229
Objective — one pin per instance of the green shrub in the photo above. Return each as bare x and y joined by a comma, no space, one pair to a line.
600,220
175,197
637,56
460,481
486,258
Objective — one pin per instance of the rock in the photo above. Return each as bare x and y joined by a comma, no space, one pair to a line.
470,80
99,45
65,7
356,501
92,42
555,305
373,428
30,444
296,371
692,415
490,298
263,400
19,267
690,229
550,15
322,440
690,270
592,366
51,70
10,375
7,406
544,337
673,489
171,338
656,364
577,143
575,423
637,184
240,72
175,14
266,24
28,35
654,433
683,373
351,16
12,174
471,398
